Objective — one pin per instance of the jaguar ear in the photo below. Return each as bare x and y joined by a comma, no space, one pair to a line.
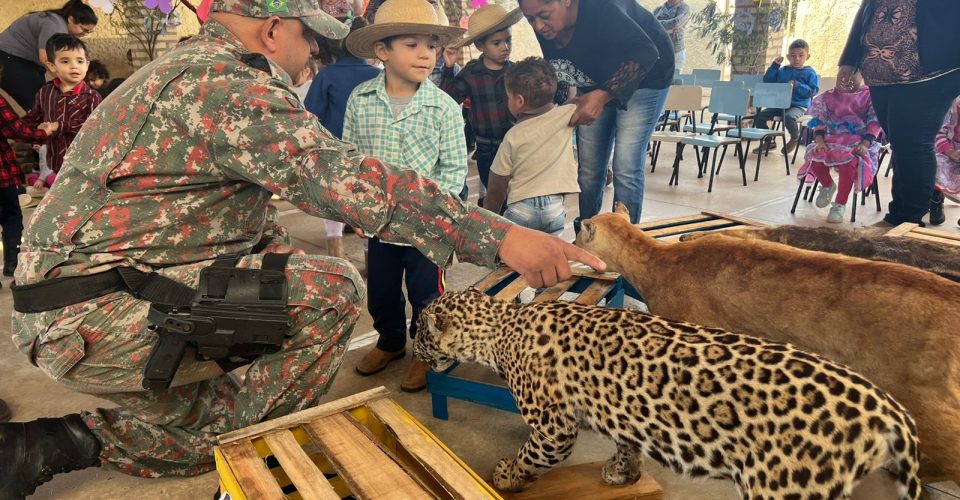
432,322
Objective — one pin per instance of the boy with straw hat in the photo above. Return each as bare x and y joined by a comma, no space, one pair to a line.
481,81
404,120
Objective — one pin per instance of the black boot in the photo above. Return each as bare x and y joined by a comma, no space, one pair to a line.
32,452
11,250
937,216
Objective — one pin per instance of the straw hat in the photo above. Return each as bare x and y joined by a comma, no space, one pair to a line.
400,17
490,18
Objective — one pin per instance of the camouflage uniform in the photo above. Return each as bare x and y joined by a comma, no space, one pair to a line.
175,168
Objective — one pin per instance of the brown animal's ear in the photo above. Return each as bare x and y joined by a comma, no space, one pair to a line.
621,209
588,230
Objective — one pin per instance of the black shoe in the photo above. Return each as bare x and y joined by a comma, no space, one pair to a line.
937,216
4,411
8,272
32,452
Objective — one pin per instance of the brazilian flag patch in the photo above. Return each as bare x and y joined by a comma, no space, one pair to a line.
275,6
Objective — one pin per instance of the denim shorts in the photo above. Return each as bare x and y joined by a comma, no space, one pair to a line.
543,213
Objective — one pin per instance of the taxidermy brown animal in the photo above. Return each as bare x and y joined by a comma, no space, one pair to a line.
898,326
939,259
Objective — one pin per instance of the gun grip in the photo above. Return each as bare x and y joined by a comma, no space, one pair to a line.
163,361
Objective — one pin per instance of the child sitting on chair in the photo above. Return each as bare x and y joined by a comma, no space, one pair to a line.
948,164
845,129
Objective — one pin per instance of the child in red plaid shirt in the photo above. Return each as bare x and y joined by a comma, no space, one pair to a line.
11,217
67,100
481,81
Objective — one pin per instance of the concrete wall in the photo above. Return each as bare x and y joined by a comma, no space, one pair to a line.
106,43
824,24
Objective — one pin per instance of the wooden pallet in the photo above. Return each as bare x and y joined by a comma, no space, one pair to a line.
574,481
506,284
670,230
363,446
911,230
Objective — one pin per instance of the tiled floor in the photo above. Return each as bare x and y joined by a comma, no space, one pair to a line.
479,435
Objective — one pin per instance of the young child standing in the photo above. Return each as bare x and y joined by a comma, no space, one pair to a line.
535,166
327,98
947,183
11,178
404,120
67,100
481,81
845,129
806,85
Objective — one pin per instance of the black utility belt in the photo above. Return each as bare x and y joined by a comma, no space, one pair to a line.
233,317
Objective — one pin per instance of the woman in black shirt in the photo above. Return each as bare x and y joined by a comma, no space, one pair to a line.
621,60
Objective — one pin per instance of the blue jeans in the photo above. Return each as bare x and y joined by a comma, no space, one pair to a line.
543,213
632,128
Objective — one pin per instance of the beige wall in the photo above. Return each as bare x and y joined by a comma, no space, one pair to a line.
105,43
824,24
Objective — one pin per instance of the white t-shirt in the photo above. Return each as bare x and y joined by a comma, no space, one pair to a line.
537,153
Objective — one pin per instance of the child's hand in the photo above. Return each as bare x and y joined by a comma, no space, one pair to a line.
778,60
819,146
862,149
450,56
359,232
38,184
49,128
953,154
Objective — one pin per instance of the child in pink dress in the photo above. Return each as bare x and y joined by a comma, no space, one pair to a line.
948,154
845,128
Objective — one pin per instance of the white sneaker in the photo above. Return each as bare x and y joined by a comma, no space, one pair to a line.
836,213
825,195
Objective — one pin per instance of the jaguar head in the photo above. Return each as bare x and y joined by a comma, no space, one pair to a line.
455,327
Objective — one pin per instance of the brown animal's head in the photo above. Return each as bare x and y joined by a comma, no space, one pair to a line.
606,235
459,326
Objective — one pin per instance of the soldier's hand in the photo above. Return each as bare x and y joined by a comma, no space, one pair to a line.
542,259
282,248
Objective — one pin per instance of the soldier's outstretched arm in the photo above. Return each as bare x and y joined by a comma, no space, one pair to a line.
272,141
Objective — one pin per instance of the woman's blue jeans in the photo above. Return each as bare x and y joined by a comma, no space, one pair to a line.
632,128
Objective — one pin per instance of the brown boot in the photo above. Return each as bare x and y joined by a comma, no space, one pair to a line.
335,248
416,378
375,361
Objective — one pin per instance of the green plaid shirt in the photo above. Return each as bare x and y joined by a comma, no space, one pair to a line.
427,136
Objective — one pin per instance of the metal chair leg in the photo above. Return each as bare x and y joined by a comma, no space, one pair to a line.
786,161
742,160
675,176
654,153
796,198
713,167
853,212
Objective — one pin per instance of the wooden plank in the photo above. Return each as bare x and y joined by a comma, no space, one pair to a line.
594,292
493,278
741,220
699,226
299,467
445,470
554,292
932,239
937,234
307,415
583,481
369,471
513,289
251,472
902,229
676,221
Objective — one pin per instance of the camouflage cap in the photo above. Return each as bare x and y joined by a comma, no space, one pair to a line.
308,11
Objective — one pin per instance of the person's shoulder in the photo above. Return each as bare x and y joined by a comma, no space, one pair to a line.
369,87
434,96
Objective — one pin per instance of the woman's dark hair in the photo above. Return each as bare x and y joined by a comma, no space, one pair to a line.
331,50
79,11
533,78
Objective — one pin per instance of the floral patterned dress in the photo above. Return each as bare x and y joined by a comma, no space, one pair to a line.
948,171
845,118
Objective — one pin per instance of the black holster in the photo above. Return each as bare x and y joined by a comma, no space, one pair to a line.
236,316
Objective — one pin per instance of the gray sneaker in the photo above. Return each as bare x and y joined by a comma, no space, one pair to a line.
825,195
836,213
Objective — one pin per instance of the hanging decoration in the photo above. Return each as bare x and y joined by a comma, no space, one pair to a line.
105,5
165,6
745,22
775,19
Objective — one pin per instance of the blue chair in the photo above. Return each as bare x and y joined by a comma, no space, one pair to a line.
685,79
749,81
704,77
682,103
730,100
767,95
723,83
